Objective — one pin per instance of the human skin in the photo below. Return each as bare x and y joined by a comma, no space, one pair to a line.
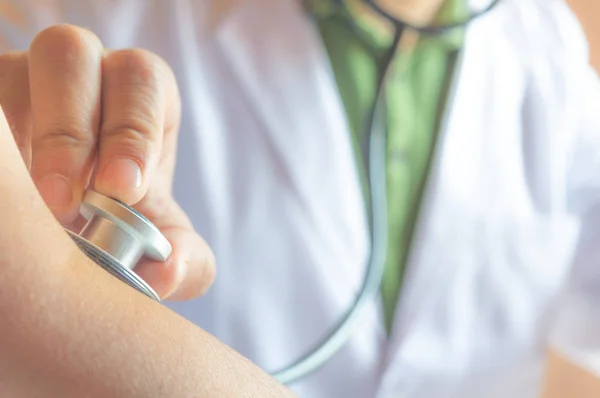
415,11
67,327
84,116
46,306
70,329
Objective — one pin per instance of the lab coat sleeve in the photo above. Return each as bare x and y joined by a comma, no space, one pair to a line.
575,334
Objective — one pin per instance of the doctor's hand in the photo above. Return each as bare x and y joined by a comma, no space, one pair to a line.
84,116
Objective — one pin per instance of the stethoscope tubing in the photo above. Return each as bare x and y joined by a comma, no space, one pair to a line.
341,333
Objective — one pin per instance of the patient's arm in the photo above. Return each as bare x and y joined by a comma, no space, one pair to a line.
69,329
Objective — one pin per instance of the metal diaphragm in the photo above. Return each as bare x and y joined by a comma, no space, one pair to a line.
116,237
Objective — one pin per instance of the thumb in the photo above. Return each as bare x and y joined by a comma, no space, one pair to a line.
188,273
190,270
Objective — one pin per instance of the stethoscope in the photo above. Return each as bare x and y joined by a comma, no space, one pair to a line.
116,236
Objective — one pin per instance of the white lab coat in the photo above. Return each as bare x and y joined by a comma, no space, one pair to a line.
507,250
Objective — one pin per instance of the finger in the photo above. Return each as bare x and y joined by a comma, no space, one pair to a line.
65,81
134,107
171,131
190,270
15,101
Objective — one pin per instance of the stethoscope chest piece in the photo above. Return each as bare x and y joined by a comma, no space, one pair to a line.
116,237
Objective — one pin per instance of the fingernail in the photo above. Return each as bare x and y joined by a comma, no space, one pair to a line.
180,268
121,175
56,190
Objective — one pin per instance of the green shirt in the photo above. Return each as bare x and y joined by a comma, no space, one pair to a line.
415,94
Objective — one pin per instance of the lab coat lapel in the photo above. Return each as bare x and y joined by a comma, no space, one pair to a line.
477,98
480,273
287,80
294,97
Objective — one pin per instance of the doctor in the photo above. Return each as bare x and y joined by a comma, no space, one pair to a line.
491,281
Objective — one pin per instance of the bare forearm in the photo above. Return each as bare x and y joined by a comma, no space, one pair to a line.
69,329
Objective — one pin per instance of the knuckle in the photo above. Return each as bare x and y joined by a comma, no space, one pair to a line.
133,130
66,41
139,65
135,143
61,137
